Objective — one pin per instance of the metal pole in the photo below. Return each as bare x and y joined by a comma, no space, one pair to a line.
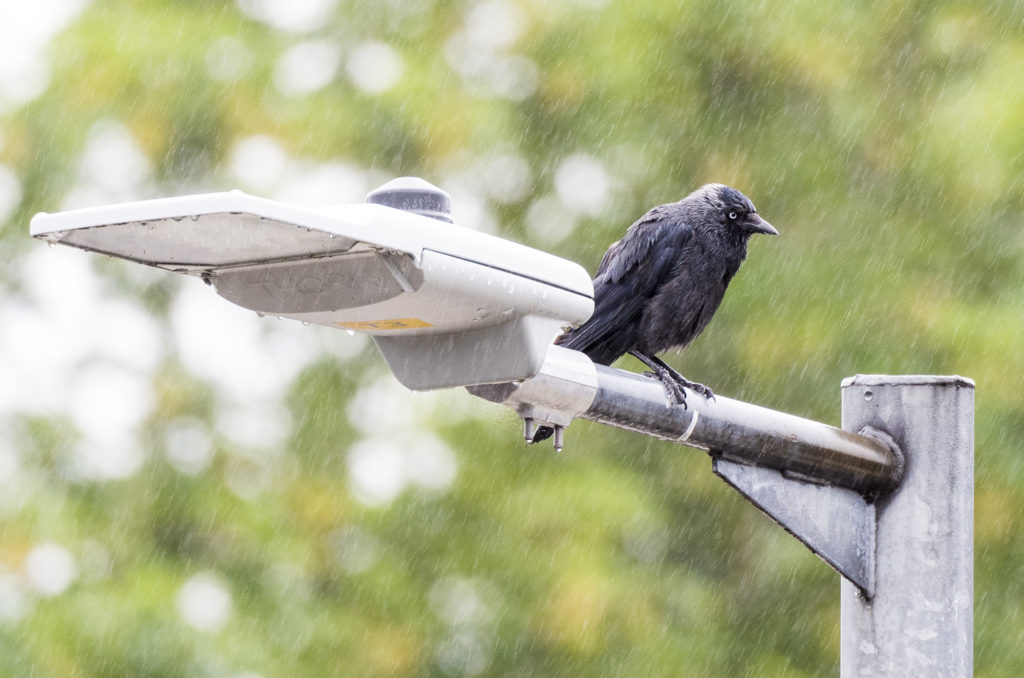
920,621
749,434
569,385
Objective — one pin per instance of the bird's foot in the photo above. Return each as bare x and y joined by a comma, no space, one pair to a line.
698,388
675,384
673,390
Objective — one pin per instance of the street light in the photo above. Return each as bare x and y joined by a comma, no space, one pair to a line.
446,305
887,501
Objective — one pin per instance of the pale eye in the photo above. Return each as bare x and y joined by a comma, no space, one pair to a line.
732,216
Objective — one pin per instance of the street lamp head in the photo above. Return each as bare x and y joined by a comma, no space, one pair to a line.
446,305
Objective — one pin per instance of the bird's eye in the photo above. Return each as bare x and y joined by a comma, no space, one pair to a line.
732,216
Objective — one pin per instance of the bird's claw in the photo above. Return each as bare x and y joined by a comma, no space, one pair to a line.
700,388
676,383
673,389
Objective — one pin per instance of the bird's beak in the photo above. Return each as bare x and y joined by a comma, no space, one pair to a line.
755,224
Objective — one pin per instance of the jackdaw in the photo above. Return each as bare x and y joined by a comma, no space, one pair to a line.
657,288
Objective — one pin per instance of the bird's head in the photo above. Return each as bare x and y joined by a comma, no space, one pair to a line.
730,208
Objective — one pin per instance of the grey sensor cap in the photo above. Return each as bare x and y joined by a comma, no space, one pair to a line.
413,194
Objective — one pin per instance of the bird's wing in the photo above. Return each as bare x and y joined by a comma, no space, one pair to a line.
651,231
631,272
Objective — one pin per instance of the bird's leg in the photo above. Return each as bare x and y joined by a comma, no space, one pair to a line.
683,381
673,381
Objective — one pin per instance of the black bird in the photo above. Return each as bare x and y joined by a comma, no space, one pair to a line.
657,288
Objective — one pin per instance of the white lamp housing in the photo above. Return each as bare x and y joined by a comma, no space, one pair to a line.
446,305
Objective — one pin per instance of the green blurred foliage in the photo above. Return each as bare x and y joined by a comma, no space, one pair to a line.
884,140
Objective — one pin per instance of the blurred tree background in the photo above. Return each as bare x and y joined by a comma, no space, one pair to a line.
189,490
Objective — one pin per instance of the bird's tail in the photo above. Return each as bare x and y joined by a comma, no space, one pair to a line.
571,338
542,434
601,348
578,339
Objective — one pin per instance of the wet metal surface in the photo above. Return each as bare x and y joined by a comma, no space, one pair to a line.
570,386
745,433
835,523
920,620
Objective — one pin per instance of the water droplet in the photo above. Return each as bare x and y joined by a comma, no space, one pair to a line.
305,323
51,245
868,395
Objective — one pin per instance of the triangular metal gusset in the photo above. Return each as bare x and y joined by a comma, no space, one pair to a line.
837,524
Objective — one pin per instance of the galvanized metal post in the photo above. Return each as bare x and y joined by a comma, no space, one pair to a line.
920,620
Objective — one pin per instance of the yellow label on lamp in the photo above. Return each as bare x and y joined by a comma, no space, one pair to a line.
392,324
